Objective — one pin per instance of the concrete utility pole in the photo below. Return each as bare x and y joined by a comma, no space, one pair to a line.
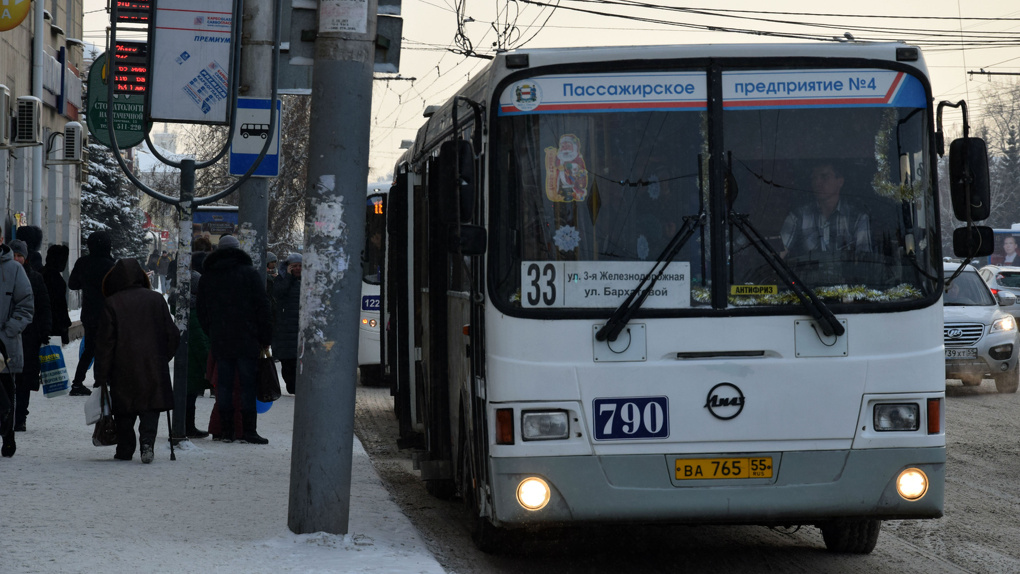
256,82
320,470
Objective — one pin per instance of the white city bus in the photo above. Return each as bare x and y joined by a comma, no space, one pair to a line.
372,261
618,290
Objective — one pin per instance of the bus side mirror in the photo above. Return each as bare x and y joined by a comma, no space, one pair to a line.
456,196
968,179
973,241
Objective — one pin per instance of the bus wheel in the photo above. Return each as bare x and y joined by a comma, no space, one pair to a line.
1007,382
851,536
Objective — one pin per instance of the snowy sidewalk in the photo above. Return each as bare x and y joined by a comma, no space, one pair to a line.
67,506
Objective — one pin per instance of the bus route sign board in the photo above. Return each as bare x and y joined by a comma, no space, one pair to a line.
129,123
251,128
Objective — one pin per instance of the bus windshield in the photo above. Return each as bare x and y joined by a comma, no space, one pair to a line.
837,190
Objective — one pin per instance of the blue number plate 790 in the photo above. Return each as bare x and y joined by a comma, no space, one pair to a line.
631,418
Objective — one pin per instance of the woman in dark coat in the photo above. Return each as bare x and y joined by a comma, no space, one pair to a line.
56,287
34,336
137,339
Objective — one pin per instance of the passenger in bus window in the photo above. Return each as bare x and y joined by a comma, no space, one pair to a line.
1008,255
828,223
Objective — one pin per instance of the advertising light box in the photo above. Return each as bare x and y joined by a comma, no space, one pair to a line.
191,54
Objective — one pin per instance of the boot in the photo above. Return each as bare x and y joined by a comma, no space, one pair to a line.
250,421
79,390
226,426
9,446
189,422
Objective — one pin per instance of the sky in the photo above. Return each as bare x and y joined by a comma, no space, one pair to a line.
67,506
956,37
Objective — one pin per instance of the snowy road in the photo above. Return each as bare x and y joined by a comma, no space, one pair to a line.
978,533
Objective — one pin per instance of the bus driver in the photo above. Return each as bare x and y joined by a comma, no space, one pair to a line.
827,224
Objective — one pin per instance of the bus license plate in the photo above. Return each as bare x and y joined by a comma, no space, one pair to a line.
961,353
723,468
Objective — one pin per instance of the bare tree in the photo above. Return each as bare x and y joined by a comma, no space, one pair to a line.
1001,130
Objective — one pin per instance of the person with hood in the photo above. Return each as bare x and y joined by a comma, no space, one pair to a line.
87,276
17,301
34,336
287,295
233,308
33,238
135,342
56,288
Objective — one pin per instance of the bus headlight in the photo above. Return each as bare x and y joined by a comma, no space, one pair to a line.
544,425
897,417
912,484
533,493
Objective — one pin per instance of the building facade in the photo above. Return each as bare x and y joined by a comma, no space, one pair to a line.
41,186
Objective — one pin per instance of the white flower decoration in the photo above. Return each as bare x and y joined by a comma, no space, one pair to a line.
642,247
653,187
567,238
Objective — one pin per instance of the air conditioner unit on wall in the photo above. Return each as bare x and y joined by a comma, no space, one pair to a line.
28,130
5,116
74,140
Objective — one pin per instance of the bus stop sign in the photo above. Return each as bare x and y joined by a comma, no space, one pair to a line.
251,129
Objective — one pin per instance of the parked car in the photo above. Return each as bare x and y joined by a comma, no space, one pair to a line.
981,340
1003,278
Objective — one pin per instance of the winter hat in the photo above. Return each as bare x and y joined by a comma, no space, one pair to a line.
270,257
31,235
293,258
228,241
20,247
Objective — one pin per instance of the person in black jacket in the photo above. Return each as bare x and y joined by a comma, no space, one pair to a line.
233,308
34,336
87,275
53,275
287,296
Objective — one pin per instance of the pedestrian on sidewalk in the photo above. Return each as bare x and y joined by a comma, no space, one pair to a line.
16,298
287,296
36,334
233,308
135,342
162,268
56,288
198,350
87,276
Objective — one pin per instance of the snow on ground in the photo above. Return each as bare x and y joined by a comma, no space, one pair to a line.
68,506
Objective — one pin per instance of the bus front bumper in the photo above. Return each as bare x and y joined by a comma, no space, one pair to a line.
807,487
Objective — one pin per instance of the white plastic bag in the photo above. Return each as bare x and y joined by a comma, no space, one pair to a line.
93,408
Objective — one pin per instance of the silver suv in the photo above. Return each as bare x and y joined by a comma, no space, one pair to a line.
981,340
1003,278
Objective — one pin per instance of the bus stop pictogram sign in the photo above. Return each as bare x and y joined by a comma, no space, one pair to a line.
12,13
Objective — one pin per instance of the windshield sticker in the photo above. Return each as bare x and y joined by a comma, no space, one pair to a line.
678,91
566,178
567,238
602,284
754,289
822,88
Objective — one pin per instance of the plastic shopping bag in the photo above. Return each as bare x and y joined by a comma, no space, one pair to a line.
53,371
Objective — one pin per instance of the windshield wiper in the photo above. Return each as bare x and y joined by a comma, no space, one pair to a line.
618,320
826,319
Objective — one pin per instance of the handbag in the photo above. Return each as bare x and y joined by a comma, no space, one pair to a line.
267,379
105,433
53,371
